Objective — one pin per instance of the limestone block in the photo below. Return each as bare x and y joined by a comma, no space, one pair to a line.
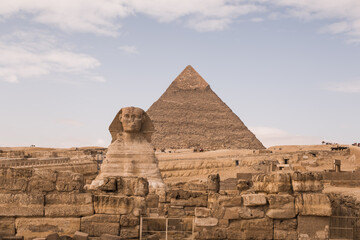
285,229
272,183
69,181
242,185
202,212
80,236
53,236
68,204
110,237
132,186
21,204
243,213
187,198
41,227
43,180
109,184
99,224
107,204
313,204
313,227
230,201
213,183
307,182
129,232
12,179
250,229
212,233
252,200
176,212
129,221
7,226
152,201
281,206
206,222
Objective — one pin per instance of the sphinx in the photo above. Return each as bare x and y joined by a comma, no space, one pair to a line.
131,153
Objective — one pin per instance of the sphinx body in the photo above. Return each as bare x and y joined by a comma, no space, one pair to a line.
131,154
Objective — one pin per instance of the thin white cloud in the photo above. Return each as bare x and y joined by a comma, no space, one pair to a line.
129,49
36,54
101,143
345,87
274,136
104,17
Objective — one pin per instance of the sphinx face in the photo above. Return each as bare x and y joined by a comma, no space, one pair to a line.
131,119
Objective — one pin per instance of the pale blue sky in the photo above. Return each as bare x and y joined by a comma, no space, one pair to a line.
289,69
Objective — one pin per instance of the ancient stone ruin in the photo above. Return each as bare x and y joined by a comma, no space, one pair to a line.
131,191
190,115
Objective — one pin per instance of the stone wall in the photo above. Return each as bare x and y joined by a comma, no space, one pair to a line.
35,203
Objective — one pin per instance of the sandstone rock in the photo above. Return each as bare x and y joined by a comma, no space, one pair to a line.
176,212
272,183
251,229
206,222
281,206
214,183
43,180
69,181
107,204
313,227
80,236
129,232
251,200
100,224
285,229
41,227
65,237
7,226
68,205
21,204
313,204
202,212
307,182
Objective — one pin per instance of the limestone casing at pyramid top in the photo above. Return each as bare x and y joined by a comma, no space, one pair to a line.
189,79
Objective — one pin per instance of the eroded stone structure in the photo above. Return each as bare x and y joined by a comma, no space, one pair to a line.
131,153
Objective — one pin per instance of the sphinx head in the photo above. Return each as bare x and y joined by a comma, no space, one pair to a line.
131,119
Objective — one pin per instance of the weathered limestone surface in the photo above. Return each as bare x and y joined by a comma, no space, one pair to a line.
313,227
99,224
281,206
69,181
307,182
313,204
202,212
7,226
285,229
230,201
105,204
243,213
188,198
41,227
68,205
131,153
272,183
21,204
206,222
251,229
252,200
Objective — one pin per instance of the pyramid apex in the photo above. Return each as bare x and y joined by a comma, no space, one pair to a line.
189,79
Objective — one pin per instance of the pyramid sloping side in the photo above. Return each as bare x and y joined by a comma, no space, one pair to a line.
185,118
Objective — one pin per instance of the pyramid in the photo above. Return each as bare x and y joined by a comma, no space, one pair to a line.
190,115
